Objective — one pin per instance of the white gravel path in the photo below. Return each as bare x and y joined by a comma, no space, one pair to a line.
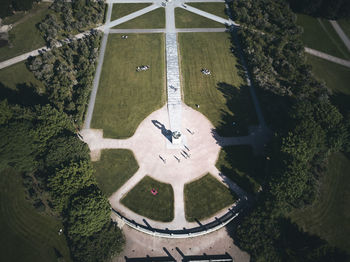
341,33
327,57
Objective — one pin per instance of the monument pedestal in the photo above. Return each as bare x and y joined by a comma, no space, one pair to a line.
176,138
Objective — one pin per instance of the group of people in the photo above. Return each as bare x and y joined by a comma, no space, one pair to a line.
142,68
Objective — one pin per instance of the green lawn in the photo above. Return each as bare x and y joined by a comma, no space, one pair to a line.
205,197
218,9
120,10
26,235
114,168
186,19
329,216
345,25
153,19
17,85
337,78
320,35
223,96
242,167
25,36
126,97
158,207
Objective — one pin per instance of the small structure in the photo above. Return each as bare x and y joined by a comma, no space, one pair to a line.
142,68
176,137
205,71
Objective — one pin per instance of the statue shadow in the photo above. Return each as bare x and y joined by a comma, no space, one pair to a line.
165,132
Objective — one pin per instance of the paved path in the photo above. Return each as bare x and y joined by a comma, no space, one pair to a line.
137,31
341,33
140,245
328,57
163,30
38,51
132,15
208,15
90,109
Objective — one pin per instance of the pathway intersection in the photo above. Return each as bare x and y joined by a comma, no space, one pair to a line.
150,144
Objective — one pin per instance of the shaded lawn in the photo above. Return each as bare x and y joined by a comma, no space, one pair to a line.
158,207
320,35
337,78
241,166
205,197
218,9
329,216
114,168
126,97
345,25
186,19
17,85
120,10
153,19
25,36
25,233
223,96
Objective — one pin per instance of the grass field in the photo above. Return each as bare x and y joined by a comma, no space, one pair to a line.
125,97
153,19
26,235
329,216
345,25
337,78
114,168
120,10
213,8
16,85
242,167
320,35
205,197
25,36
223,96
186,19
158,207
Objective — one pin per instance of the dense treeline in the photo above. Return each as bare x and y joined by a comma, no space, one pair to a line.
70,18
40,141
307,129
67,73
331,9
7,7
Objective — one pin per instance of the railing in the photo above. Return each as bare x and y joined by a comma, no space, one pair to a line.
183,233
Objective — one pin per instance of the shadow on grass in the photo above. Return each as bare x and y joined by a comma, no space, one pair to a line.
24,95
342,101
244,168
239,102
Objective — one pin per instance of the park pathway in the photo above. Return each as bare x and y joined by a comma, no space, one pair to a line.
341,33
327,57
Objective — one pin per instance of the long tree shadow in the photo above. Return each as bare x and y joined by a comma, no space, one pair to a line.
243,167
24,94
238,101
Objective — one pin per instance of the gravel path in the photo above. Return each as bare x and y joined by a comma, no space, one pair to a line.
328,57
341,33
96,81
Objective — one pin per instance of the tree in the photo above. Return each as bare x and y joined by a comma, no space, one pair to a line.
101,246
88,212
69,180
65,149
